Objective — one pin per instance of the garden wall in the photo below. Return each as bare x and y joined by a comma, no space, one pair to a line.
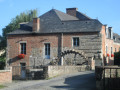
52,71
6,76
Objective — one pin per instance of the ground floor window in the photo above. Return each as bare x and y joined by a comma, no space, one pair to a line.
47,50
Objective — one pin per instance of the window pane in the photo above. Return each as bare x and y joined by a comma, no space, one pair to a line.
76,41
23,48
47,51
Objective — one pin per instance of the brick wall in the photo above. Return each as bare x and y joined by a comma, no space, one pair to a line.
117,47
5,76
90,43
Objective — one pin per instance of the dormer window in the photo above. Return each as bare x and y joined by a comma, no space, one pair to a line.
114,38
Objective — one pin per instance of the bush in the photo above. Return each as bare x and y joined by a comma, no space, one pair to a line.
117,58
2,61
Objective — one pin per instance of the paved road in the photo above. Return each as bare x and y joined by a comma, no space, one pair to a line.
77,81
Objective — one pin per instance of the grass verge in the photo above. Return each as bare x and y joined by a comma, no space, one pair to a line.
2,86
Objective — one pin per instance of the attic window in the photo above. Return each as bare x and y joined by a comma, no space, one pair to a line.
114,38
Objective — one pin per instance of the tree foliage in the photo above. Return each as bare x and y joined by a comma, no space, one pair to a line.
23,17
13,25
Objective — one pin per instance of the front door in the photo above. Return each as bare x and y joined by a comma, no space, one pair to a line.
23,70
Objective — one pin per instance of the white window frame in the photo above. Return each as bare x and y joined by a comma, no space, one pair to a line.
77,44
47,53
24,48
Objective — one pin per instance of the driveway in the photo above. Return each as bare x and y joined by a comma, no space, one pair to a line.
77,81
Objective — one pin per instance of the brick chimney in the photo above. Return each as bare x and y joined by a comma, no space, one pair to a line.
36,24
71,11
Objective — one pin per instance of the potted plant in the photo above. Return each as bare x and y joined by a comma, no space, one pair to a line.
112,55
21,56
108,55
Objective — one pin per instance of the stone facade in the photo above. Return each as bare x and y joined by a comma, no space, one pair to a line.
90,44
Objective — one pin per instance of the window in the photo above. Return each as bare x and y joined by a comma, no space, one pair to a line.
75,41
23,48
47,51
111,50
114,38
115,50
106,50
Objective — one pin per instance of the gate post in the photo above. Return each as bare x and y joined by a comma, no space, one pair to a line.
92,64
61,61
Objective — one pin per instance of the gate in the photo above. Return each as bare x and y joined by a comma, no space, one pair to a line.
27,72
111,78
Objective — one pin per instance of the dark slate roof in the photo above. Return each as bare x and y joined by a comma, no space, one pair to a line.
55,21
82,16
117,40
64,16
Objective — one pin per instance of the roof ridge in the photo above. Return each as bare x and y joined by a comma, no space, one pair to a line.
65,14
84,14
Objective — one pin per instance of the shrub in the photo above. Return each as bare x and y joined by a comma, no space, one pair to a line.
117,58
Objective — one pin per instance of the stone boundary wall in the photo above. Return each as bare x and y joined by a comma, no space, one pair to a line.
6,76
53,71
104,74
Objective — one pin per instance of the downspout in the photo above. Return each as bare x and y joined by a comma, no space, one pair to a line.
62,50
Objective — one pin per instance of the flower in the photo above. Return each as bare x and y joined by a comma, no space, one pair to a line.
112,55
108,55
21,56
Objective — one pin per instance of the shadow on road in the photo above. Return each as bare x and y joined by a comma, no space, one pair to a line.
79,82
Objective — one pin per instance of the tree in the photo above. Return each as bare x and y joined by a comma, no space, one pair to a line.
13,25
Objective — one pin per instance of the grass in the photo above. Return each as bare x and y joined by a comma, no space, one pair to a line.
52,77
2,86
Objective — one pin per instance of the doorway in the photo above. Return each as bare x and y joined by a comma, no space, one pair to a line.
23,70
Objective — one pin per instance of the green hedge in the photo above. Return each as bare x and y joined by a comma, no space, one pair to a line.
2,61
117,58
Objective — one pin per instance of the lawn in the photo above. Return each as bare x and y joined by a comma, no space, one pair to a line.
2,86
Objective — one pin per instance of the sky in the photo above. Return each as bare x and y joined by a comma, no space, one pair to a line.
106,11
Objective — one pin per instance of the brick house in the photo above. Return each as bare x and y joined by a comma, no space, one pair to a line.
43,39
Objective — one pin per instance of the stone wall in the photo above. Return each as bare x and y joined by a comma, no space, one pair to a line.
5,76
106,77
90,44
53,71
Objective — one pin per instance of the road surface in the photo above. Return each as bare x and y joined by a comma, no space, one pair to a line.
77,81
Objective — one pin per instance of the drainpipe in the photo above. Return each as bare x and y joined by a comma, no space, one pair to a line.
62,51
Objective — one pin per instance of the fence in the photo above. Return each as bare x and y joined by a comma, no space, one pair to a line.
108,78
26,72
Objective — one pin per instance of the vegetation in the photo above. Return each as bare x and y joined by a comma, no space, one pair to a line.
117,58
2,86
13,25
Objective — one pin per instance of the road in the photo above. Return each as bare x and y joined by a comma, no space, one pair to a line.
76,81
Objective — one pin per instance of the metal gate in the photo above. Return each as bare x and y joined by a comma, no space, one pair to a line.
26,72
